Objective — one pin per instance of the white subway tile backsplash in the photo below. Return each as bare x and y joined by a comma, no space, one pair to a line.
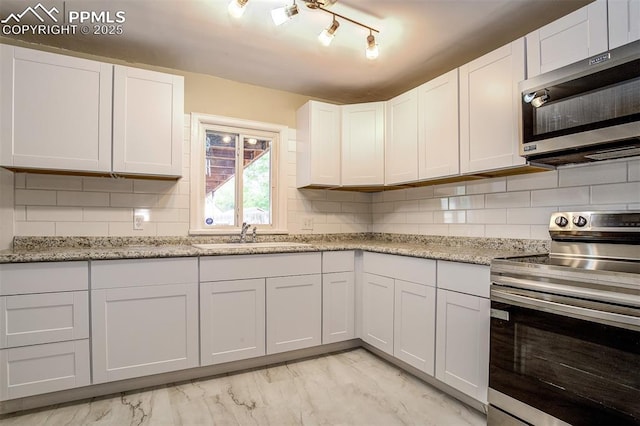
38,181
78,198
449,189
383,208
395,218
434,204
616,193
107,214
458,216
363,197
487,216
340,196
555,197
326,228
106,184
407,206
593,174
19,180
173,228
508,199
434,229
486,186
396,195
508,231
461,230
35,197
54,214
420,193
82,229
541,180
133,200
123,229
326,206
19,213
420,217
311,194
466,202
35,229
149,186
540,232
173,201
530,216
356,207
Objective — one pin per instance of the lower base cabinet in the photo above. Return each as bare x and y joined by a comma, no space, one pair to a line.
377,311
294,312
462,342
37,369
232,320
338,307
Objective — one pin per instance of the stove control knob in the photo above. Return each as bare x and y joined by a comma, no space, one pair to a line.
561,221
579,221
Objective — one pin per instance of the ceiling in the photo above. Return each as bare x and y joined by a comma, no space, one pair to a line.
418,40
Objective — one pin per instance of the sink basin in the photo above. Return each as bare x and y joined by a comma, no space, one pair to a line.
250,245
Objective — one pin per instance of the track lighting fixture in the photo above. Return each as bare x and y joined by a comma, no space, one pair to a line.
283,14
326,36
372,48
538,98
236,8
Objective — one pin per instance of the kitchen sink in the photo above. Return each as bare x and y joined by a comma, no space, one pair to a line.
273,244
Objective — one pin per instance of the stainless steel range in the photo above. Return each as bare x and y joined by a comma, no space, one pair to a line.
565,327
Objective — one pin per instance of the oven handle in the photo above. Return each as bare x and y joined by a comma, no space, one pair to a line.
573,311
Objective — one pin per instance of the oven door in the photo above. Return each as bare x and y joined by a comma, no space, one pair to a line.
557,359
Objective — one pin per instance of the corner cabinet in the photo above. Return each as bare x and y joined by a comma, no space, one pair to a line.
401,143
318,145
63,113
148,121
489,109
338,296
55,111
363,144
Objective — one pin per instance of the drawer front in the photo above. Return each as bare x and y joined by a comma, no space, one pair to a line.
43,277
143,272
38,369
464,278
32,319
413,269
337,261
223,268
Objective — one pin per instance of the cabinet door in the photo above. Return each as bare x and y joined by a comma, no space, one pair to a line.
415,325
462,343
293,312
624,22
489,111
31,319
401,143
438,142
377,311
363,144
148,122
232,320
33,370
55,111
338,307
137,331
318,145
573,37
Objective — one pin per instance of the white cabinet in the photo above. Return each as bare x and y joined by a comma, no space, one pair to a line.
293,312
144,317
148,116
232,320
363,144
438,141
624,22
573,37
55,111
58,113
377,311
44,331
462,334
401,142
415,325
318,145
489,109
338,296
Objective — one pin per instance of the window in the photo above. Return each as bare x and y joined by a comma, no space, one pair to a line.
235,170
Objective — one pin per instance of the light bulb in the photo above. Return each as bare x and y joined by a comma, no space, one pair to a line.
326,36
372,48
236,8
283,14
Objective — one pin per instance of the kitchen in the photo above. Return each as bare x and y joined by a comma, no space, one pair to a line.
462,204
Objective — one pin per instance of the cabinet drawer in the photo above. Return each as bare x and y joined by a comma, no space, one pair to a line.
31,319
143,272
464,278
33,370
337,261
43,277
258,266
413,269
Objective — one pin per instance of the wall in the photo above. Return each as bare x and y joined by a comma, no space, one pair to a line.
512,207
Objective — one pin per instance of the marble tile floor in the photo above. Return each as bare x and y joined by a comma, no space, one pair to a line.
347,388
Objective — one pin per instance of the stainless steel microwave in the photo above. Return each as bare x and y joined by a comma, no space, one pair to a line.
586,111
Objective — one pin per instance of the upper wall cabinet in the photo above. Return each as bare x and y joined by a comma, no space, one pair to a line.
401,144
438,142
489,109
624,22
318,146
148,120
57,113
573,37
363,144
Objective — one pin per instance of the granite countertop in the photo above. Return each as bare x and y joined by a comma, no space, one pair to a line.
458,249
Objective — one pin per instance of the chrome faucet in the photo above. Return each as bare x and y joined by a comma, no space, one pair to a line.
253,234
243,233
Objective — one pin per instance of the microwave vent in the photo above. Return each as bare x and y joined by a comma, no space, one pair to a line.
614,153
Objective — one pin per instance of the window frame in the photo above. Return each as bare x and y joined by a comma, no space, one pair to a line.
199,125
